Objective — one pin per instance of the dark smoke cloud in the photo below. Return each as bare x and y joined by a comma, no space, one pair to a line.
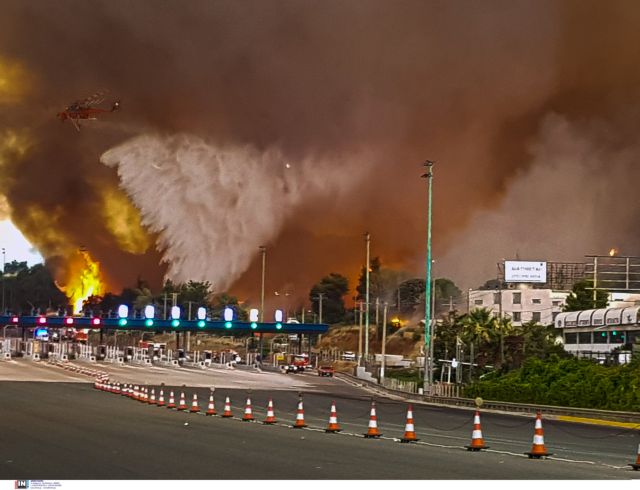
484,88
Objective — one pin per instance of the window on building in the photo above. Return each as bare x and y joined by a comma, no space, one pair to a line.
599,337
584,338
570,338
496,298
535,317
556,303
536,301
517,298
517,316
478,302
554,315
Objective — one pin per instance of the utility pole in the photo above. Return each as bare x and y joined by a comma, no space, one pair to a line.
263,250
366,320
428,372
375,336
500,325
320,296
384,341
4,254
360,337
595,281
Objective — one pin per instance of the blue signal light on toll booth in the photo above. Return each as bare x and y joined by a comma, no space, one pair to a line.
122,322
175,323
148,322
201,323
227,324
254,325
278,326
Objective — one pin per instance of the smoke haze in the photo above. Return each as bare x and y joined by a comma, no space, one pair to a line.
521,103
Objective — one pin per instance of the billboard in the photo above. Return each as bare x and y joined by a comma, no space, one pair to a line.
522,271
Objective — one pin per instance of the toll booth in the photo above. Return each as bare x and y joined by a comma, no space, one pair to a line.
101,353
128,353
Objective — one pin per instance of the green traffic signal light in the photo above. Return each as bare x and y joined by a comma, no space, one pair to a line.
122,322
254,325
175,323
278,326
201,323
227,325
148,322
614,333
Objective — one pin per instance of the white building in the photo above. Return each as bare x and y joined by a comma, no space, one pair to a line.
598,331
522,304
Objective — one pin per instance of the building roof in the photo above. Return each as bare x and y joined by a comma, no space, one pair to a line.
598,318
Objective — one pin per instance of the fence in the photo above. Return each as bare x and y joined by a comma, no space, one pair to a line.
399,385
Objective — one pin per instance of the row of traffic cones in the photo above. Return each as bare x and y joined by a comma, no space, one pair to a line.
538,449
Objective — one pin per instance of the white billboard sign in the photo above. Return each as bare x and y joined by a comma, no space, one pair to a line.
521,271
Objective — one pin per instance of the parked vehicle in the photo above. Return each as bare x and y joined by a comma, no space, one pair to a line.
326,371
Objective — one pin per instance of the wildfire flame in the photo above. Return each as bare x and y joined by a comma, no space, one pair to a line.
613,252
85,279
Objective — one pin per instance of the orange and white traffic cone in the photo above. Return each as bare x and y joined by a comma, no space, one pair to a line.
152,397
248,412
194,404
125,390
227,409
636,465
538,450
182,405
333,420
477,442
134,393
144,395
211,409
409,430
271,417
372,431
172,400
161,398
299,423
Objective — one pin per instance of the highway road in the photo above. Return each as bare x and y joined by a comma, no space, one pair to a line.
59,427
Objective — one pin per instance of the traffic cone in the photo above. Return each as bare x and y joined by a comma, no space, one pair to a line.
299,423
194,404
136,394
172,401
152,398
538,450
636,465
373,431
144,395
248,412
227,408
182,405
118,389
125,391
271,418
161,398
477,442
211,409
409,431
333,420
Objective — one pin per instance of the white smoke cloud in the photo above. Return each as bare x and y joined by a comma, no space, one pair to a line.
213,207
576,198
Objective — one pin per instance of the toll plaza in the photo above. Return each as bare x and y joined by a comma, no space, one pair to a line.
37,337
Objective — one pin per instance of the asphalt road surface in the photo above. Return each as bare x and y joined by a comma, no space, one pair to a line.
61,428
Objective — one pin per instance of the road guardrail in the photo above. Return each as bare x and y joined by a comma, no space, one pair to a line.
532,408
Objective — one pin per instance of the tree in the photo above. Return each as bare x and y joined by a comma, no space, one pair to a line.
333,287
445,290
223,300
32,289
581,297
410,294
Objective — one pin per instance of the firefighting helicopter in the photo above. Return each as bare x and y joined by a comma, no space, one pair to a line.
86,109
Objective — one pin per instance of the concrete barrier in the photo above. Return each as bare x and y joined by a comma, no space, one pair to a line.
35,357
120,360
65,358
147,362
202,365
7,356
175,363
92,359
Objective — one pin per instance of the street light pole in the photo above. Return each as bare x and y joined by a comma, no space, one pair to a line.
3,274
428,368
263,249
384,342
366,300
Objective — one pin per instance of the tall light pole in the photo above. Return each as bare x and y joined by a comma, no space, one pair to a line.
428,363
4,254
366,299
263,250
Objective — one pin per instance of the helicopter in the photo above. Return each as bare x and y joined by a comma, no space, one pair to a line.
86,109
